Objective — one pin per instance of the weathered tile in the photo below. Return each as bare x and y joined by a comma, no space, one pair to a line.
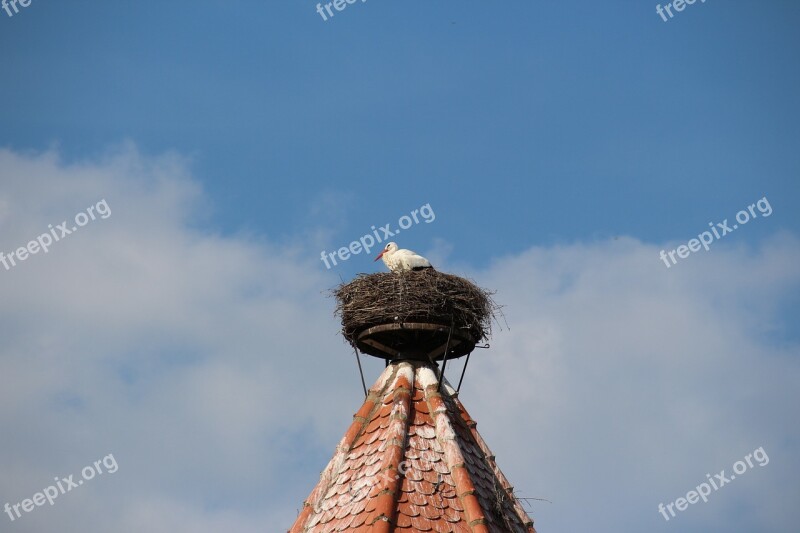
397,460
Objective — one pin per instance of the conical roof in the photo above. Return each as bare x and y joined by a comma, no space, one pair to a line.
412,461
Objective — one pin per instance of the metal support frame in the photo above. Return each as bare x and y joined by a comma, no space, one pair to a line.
361,371
463,371
446,353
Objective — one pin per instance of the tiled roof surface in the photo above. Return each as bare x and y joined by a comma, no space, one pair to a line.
412,461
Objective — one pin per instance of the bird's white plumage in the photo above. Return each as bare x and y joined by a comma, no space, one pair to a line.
399,260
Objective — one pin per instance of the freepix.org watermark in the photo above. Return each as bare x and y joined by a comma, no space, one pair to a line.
703,490
47,239
7,5
719,230
677,5
62,486
359,489
365,243
338,5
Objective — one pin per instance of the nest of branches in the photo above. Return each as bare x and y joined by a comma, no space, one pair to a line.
424,296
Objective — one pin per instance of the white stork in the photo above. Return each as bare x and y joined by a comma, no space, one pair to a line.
400,260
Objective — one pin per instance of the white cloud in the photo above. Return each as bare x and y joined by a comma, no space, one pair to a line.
182,352
622,383
210,366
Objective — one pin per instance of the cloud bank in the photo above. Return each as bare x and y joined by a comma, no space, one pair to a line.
210,366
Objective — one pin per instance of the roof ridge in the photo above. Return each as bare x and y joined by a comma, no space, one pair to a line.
505,483
360,420
456,463
491,460
386,505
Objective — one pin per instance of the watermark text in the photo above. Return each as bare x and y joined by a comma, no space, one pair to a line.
677,5
61,487
703,490
45,240
719,230
367,242
338,5
7,5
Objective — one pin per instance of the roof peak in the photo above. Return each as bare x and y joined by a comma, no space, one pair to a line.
412,460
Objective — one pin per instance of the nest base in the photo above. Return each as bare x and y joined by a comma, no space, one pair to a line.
420,341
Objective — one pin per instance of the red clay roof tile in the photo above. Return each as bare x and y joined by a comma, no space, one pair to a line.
412,460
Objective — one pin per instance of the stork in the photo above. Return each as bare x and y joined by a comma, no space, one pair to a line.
399,260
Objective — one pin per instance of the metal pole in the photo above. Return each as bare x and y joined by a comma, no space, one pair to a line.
360,371
463,371
446,353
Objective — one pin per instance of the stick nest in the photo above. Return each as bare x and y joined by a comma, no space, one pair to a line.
424,296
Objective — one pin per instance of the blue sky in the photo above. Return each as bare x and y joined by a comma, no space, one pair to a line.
561,146
525,125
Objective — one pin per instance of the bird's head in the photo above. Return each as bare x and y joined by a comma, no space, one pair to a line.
389,248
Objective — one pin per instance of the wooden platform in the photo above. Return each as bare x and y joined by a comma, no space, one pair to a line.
414,341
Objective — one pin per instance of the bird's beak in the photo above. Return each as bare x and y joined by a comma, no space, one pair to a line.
380,255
